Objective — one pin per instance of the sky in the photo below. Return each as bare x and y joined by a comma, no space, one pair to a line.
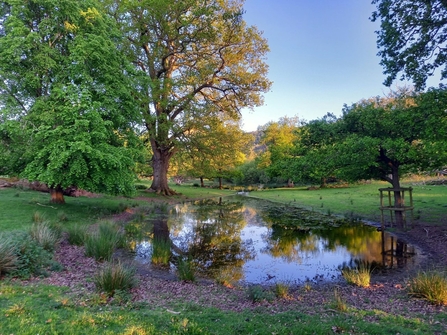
323,54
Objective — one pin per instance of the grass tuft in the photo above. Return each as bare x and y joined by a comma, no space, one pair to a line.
101,244
186,269
161,251
358,276
76,234
431,286
339,303
45,235
282,290
8,258
113,277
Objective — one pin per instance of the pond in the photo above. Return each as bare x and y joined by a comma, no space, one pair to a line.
245,240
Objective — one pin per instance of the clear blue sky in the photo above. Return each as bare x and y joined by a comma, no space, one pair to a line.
323,55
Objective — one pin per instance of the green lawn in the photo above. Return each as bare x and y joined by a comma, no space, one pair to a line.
363,200
36,308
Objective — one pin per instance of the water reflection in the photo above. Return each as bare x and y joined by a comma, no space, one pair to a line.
242,239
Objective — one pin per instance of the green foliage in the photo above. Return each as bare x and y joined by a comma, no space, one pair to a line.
429,285
113,277
69,96
358,276
76,234
161,251
102,243
215,69
380,138
32,258
8,258
186,269
282,290
256,293
44,235
409,39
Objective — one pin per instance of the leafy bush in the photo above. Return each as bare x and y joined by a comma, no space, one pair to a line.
359,276
44,235
113,277
32,257
431,286
8,258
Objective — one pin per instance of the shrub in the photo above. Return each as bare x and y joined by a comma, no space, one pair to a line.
8,258
32,257
359,276
113,277
186,269
76,234
44,235
431,286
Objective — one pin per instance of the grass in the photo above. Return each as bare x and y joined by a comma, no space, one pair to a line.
45,235
43,309
161,251
8,258
362,200
114,277
186,269
431,286
33,307
76,234
358,276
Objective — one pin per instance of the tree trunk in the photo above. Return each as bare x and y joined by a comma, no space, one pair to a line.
323,183
201,182
160,166
220,183
57,195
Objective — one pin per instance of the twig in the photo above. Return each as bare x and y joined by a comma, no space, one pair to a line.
45,205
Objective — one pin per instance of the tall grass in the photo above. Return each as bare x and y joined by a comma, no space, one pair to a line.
161,251
113,277
45,235
8,258
76,234
186,269
358,276
102,243
431,286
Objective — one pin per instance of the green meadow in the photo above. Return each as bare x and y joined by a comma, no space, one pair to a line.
31,307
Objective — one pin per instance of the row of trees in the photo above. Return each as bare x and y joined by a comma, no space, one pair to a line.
85,85
89,87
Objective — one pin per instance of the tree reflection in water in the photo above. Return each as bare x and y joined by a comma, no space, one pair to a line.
252,240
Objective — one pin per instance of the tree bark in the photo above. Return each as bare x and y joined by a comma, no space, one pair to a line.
160,165
202,184
57,195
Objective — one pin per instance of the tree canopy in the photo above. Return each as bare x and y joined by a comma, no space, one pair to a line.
194,59
412,39
65,96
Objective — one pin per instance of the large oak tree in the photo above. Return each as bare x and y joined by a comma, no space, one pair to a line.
195,58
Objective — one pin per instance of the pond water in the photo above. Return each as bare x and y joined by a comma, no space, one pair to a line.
245,240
